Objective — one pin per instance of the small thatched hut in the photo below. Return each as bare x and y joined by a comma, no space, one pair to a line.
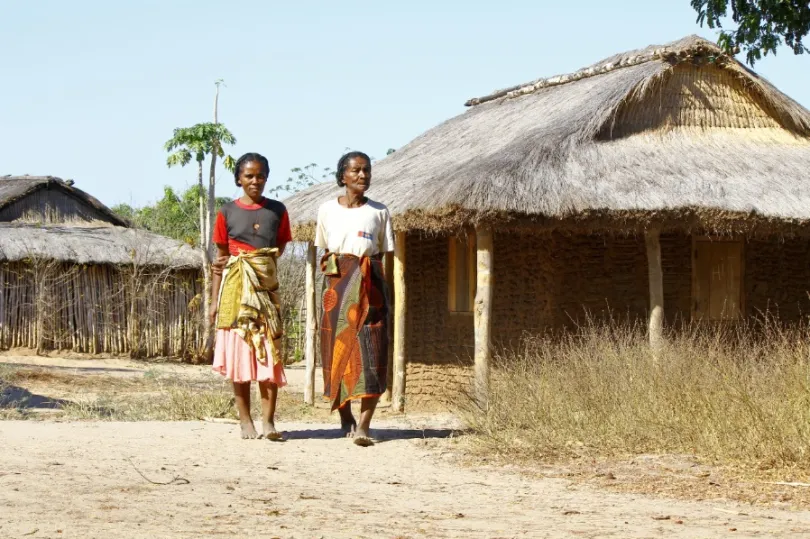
75,277
669,183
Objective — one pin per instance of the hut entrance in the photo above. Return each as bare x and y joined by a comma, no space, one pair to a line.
717,267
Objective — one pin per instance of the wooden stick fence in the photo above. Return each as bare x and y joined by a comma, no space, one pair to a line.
99,309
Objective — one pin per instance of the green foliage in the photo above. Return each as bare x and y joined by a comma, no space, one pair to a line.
762,25
229,163
198,141
302,177
176,215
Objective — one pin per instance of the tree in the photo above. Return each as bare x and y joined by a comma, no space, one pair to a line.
197,142
176,215
302,177
762,25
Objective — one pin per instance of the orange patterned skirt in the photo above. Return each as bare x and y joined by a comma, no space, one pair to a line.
354,330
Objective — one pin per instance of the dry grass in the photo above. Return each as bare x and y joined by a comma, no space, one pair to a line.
735,396
152,396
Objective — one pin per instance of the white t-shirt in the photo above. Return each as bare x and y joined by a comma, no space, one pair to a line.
363,231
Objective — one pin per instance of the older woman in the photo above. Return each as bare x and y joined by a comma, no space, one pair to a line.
354,231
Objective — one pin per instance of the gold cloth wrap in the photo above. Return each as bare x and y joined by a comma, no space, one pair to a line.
249,302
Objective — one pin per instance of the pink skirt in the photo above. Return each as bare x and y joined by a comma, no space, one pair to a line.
234,359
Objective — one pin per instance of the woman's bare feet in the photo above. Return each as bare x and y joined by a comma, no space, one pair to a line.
347,422
268,392
362,437
269,432
241,393
248,430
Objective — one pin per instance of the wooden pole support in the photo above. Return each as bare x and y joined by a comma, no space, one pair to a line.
389,280
312,326
656,277
400,311
483,314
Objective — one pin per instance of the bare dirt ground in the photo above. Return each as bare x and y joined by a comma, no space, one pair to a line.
90,479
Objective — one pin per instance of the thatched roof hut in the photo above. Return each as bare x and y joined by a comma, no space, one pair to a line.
50,199
671,175
74,276
679,132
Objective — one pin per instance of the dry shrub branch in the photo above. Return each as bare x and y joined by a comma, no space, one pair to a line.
292,291
141,309
731,394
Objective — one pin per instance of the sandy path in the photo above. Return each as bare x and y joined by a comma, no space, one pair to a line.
76,477
107,366
132,368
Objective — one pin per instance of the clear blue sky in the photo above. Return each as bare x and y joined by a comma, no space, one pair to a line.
92,89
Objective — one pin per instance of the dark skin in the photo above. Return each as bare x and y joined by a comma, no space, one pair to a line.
252,179
357,179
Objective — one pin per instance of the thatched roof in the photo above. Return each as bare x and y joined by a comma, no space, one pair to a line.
94,245
680,134
13,188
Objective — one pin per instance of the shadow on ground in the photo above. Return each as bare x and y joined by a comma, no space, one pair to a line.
12,396
381,435
78,370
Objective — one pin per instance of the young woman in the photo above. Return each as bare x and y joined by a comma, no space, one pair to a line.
253,232
355,231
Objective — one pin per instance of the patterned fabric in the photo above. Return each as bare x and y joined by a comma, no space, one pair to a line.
354,330
249,304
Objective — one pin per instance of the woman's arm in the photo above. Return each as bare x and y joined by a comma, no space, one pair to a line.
284,233
216,277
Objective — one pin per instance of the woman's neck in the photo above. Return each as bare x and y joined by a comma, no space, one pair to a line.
353,200
247,200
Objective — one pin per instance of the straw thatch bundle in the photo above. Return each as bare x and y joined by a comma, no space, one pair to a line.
680,135
94,245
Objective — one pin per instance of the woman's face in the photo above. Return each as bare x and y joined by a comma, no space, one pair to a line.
252,178
357,175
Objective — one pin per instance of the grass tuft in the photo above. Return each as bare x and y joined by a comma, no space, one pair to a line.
733,395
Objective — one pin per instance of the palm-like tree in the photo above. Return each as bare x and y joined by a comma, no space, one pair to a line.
197,142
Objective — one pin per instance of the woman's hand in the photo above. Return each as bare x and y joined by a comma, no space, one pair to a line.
324,258
219,263
212,312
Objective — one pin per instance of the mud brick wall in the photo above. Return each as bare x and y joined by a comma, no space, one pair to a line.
553,281
543,282
777,278
676,264
437,387
439,345
548,282
598,276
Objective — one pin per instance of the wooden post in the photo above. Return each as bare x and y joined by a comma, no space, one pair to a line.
400,310
389,280
312,326
482,314
656,277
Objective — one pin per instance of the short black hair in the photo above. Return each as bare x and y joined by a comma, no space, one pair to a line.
247,158
341,166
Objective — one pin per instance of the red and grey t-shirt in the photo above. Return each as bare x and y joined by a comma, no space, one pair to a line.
248,227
